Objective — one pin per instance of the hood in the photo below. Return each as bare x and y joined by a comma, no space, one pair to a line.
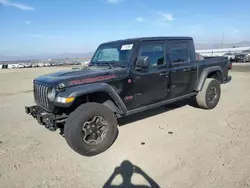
82,76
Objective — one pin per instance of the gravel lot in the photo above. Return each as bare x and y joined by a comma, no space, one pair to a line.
177,146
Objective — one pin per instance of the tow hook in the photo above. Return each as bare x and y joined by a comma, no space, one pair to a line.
49,124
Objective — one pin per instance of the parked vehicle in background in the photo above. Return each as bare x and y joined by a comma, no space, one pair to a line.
27,65
13,66
77,63
21,66
124,77
230,56
46,64
247,55
240,58
246,52
34,65
40,65
247,58
5,66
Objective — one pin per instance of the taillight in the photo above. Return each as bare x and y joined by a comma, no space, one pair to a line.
230,66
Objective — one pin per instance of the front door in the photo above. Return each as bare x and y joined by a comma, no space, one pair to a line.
150,85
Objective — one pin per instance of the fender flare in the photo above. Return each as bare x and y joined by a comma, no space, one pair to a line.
79,91
205,73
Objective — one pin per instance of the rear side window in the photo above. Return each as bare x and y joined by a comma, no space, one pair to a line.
179,53
155,53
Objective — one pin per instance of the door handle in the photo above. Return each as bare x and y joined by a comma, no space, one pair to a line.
138,68
164,74
187,69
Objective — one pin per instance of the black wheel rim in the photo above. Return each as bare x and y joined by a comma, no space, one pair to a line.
95,130
212,94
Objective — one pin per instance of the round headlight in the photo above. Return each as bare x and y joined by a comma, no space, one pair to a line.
52,94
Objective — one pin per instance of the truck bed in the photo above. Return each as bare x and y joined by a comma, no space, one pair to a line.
222,62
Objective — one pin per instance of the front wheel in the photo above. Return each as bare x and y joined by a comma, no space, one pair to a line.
209,96
91,129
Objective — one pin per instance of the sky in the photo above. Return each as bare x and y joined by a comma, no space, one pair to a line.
32,27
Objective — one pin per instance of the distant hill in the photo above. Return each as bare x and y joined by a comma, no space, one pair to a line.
44,57
200,46
72,55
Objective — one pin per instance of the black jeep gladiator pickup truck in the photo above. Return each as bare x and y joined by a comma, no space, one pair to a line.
124,77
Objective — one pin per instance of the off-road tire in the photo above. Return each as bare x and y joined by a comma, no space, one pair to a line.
202,98
74,124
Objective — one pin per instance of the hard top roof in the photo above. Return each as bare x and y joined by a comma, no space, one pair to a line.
151,39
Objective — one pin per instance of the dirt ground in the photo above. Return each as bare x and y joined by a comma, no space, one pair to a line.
176,147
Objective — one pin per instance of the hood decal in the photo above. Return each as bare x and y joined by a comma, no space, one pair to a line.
91,80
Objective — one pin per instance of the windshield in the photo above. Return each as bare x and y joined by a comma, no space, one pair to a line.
116,52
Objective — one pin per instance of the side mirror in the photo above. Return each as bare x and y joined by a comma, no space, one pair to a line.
142,62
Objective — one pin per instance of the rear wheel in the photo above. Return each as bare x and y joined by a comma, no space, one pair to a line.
91,129
209,96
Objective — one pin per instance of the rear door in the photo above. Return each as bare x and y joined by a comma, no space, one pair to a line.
151,84
183,67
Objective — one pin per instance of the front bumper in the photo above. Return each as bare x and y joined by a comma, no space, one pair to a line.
49,120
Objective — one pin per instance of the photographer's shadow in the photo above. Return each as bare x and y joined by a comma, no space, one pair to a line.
126,170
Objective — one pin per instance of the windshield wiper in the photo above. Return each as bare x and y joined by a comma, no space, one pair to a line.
111,66
108,63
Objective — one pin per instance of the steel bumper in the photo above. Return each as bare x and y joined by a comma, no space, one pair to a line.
49,120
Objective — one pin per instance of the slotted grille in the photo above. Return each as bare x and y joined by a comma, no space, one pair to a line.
41,95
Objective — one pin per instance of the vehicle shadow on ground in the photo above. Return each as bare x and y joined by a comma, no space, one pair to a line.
149,113
127,170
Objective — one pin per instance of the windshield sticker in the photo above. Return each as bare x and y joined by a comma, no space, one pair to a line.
127,47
